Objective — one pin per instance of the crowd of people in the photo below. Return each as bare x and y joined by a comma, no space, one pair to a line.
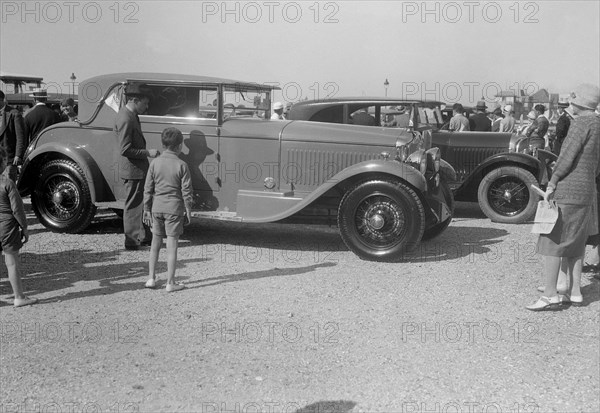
503,120
159,193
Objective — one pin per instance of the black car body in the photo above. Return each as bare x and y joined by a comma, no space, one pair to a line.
493,168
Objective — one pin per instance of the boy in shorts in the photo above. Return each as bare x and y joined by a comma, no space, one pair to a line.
167,204
13,231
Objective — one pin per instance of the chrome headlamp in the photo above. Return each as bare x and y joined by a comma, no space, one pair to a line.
433,158
401,151
419,160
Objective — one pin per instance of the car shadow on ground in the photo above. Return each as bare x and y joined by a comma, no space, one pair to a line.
109,269
456,243
328,406
253,275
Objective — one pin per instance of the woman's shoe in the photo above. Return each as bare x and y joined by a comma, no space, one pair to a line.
575,300
174,287
151,283
545,304
22,302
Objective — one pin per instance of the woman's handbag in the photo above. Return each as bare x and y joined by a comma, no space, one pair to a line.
545,217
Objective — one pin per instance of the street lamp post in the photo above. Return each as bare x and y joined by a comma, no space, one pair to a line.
385,85
73,78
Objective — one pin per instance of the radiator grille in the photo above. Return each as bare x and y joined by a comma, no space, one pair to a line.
313,167
467,159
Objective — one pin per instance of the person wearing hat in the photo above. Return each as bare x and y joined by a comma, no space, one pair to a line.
134,163
278,111
67,108
458,122
562,127
528,127
538,132
12,137
496,118
507,124
40,116
479,122
573,188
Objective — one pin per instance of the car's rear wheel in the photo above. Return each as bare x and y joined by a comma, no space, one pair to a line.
505,195
437,229
380,220
61,198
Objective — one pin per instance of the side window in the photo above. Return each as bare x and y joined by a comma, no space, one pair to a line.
182,101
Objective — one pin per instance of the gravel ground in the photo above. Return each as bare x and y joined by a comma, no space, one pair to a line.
284,318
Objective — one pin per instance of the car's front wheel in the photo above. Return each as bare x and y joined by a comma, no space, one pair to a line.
505,195
381,219
61,198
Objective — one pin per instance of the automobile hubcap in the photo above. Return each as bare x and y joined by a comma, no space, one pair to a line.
380,221
508,196
62,198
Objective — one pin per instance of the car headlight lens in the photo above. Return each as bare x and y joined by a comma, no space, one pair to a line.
419,160
401,152
434,157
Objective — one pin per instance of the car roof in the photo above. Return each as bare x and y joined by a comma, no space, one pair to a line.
173,78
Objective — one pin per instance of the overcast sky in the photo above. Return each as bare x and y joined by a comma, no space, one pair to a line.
449,51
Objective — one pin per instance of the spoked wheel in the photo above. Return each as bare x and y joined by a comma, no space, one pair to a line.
380,220
505,195
61,199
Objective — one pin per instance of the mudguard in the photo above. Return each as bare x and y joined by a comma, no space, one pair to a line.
283,205
55,150
468,190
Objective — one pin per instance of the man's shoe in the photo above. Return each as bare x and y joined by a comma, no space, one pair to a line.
132,247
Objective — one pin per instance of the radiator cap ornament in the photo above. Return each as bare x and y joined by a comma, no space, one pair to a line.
269,182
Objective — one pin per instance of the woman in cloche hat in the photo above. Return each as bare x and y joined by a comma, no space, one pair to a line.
573,187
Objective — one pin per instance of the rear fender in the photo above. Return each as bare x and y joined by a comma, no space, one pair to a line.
468,190
51,151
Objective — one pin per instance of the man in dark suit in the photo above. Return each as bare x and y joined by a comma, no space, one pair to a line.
12,137
479,122
542,123
134,163
562,127
40,116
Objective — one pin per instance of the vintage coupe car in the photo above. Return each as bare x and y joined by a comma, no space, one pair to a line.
492,168
384,187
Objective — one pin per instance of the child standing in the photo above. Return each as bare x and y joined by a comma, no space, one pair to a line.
13,231
167,204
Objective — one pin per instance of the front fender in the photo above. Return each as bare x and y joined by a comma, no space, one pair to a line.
54,150
468,190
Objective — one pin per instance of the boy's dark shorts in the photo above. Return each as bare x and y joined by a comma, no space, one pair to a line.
10,241
167,225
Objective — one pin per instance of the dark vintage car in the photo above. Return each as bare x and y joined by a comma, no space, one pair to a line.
384,187
492,168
